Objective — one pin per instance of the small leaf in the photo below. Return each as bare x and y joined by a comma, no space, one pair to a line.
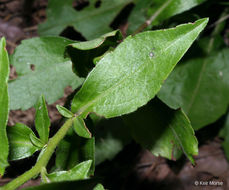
99,187
50,75
64,111
82,54
4,105
42,121
163,137
36,142
133,73
20,143
91,22
79,172
80,128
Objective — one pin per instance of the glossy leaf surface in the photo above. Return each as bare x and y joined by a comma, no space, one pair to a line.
133,73
200,87
78,172
36,141
19,140
41,69
80,128
42,121
91,22
64,111
4,105
163,137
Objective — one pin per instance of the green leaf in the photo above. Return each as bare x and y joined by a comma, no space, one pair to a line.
42,121
81,128
97,59
99,187
64,111
158,10
87,184
91,22
36,141
133,73
79,172
200,87
4,105
83,53
52,72
20,143
73,150
163,137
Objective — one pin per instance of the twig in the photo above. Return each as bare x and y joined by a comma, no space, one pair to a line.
219,21
152,18
29,29
13,45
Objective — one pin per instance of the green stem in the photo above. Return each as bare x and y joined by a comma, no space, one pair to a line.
43,161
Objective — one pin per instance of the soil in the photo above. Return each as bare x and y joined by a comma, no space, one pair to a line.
19,20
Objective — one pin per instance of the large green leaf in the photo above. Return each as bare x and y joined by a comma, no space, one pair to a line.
52,72
158,11
79,172
133,73
199,86
21,145
42,121
83,53
91,22
4,105
163,137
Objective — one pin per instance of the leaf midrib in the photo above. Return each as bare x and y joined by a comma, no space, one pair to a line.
84,108
195,92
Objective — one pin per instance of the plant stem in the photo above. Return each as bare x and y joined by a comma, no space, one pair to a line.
43,161
218,28
152,18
